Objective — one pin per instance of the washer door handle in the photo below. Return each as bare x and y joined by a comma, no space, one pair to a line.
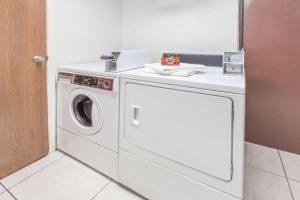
135,113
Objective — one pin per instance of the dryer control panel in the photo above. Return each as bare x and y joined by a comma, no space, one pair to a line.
88,81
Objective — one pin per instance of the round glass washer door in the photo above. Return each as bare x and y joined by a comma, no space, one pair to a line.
86,112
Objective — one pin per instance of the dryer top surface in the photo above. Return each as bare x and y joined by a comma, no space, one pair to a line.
212,79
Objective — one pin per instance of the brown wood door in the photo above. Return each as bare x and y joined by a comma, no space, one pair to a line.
23,92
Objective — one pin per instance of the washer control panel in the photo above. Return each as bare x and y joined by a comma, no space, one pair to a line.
105,84
64,77
88,81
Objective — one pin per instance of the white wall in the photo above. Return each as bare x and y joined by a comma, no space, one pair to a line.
180,25
78,31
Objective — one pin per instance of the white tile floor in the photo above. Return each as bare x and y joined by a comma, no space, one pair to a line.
270,175
59,177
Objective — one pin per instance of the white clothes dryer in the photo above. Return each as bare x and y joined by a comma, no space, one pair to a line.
182,137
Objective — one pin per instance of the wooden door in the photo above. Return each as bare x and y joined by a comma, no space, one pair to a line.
23,92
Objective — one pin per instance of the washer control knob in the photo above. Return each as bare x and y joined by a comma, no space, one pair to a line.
106,84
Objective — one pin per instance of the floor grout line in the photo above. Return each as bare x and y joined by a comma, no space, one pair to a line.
266,171
3,188
131,191
35,173
287,179
297,181
6,190
105,186
12,195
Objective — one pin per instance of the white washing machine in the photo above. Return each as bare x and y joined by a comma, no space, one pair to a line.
87,115
182,137
88,109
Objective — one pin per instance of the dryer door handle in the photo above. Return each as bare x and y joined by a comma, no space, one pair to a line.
135,113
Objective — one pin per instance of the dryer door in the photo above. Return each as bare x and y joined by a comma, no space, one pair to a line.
172,127
86,111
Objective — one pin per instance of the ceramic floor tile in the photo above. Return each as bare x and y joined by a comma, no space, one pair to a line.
65,179
116,192
295,187
24,173
264,158
260,185
2,189
6,196
291,164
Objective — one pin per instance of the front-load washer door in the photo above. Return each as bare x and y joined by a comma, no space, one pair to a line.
86,112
